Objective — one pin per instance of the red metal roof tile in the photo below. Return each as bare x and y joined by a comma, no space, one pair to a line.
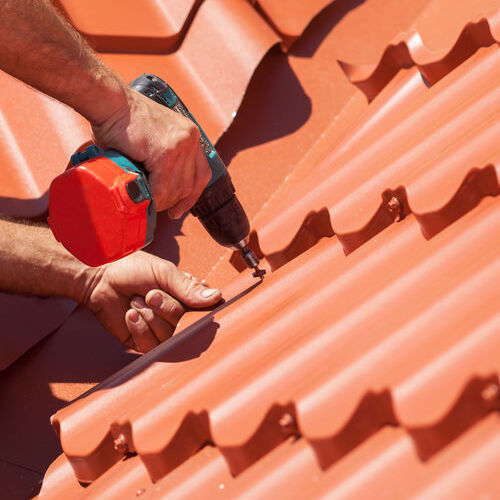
386,465
38,137
146,26
285,363
430,170
290,18
211,70
434,47
294,381
34,317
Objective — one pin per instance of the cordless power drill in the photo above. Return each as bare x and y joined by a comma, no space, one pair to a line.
102,209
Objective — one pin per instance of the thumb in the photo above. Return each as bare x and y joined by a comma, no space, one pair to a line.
184,287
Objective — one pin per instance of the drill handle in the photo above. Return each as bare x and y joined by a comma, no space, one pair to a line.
158,90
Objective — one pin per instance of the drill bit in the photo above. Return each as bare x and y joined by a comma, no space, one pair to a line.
252,262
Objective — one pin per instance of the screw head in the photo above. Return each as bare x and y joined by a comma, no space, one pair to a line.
120,443
287,421
395,208
490,392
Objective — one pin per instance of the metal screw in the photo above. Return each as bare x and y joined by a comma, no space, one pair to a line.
490,392
287,421
395,208
120,443
140,492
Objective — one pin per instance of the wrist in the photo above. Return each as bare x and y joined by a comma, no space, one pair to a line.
106,98
84,283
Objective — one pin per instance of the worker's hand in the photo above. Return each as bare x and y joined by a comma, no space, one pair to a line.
141,298
167,143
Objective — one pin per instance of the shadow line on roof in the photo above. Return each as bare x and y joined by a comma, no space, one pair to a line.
478,184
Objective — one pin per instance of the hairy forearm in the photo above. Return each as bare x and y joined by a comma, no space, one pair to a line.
39,47
33,262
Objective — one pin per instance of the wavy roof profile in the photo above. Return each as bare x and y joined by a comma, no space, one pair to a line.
366,364
435,52
368,374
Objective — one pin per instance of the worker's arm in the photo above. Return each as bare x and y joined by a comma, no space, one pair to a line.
32,262
39,47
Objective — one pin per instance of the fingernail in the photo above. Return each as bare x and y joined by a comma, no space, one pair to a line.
208,292
134,317
138,302
155,300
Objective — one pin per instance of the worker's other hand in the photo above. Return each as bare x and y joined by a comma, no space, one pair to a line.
141,298
167,143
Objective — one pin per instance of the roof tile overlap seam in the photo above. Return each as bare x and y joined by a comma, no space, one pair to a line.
409,50
479,397
478,184
140,44
131,44
393,207
288,39
194,421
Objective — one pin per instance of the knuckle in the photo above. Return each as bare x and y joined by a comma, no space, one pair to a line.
194,132
173,310
185,190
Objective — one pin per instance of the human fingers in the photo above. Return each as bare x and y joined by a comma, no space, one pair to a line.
142,335
161,327
165,306
188,291
202,176
173,170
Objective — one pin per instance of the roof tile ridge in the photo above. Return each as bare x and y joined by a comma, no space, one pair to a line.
375,410
395,206
408,50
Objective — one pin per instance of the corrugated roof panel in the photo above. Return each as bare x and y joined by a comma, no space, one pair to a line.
35,317
294,381
184,405
442,37
131,26
403,153
211,70
386,465
38,137
290,18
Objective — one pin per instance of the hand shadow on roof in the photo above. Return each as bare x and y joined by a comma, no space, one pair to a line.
318,29
186,345
275,105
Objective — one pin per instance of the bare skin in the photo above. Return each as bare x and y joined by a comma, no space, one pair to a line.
39,47
139,299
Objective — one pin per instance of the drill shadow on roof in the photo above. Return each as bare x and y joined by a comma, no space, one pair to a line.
319,28
274,105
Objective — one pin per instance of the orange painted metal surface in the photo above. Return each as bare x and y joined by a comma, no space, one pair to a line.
370,349
290,18
366,364
147,26
331,375
291,471
224,45
34,317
